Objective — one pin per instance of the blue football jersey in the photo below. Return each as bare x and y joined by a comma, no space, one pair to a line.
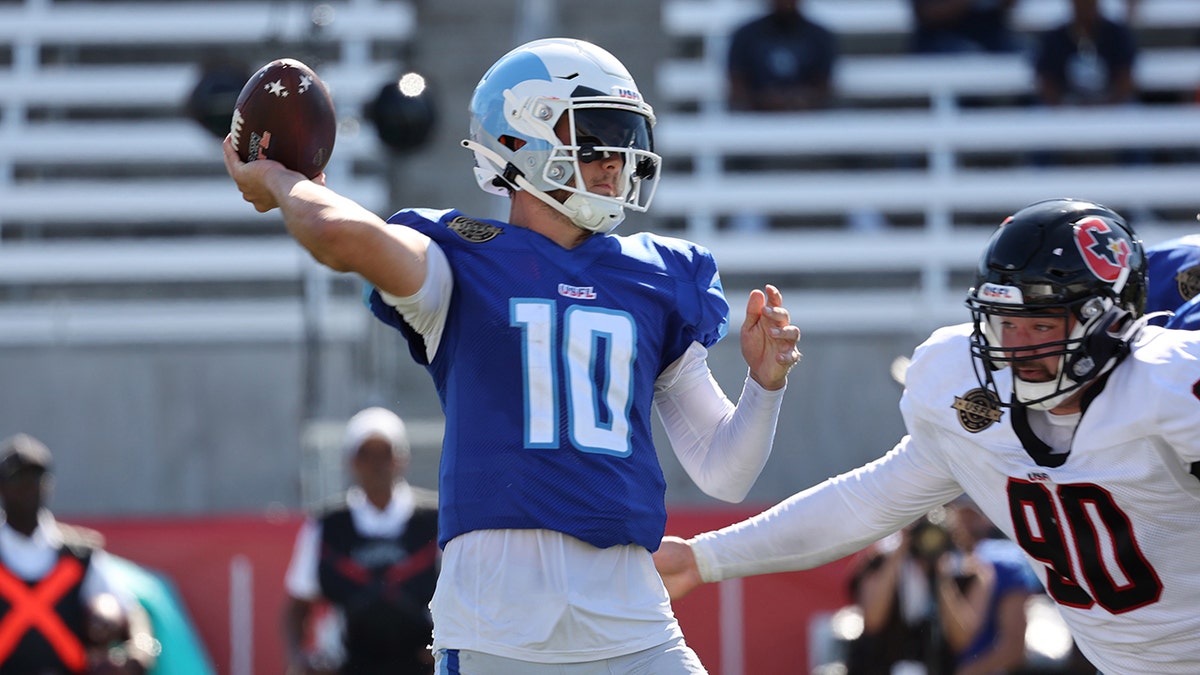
546,373
1173,281
1187,316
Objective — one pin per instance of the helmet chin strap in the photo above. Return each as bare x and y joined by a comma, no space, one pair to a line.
588,214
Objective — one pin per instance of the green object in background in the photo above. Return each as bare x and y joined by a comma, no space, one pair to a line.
182,651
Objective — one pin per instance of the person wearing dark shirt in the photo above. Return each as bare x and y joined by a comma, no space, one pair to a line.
985,625
897,586
372,556
1088,60
781,61
778,62
963,26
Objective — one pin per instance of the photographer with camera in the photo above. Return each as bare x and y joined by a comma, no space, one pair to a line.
985,625
899,586
941,597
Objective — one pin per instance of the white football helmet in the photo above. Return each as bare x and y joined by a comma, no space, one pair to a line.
519,101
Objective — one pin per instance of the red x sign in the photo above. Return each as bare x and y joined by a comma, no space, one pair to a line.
33,607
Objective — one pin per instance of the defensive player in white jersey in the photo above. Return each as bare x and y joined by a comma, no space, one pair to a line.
551,342
1071,423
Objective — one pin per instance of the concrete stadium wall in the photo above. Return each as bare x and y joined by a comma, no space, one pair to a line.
163,428
190,429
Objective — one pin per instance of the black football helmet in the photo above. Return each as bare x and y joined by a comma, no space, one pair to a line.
1054,258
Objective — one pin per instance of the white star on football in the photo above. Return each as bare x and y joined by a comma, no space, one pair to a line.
284,113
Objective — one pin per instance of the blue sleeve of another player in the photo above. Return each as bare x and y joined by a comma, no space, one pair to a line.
1173,273
1187,316
1013,571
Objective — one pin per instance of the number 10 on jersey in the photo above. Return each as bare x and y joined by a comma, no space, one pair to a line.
595,357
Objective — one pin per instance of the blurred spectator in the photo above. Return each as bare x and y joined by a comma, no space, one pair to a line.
372,557
962,26
1131,11
895,586
1173,281
781,61
986,625
1088,60
61,610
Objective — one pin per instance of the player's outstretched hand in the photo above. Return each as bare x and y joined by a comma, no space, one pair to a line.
768,338
676,564
254,178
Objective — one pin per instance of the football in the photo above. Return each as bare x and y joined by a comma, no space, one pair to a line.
284,112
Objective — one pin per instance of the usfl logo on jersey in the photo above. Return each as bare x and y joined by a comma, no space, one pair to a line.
1105,252
977,409
1188,282
474,231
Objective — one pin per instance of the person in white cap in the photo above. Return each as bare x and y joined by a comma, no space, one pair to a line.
372,556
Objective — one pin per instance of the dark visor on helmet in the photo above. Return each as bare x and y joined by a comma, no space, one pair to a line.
612,128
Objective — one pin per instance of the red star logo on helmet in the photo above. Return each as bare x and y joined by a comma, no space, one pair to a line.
1105,252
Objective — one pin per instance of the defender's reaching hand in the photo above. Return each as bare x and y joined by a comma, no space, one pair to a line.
676,564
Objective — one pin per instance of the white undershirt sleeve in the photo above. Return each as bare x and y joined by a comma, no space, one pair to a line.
301,580
840,516
426,310
722,447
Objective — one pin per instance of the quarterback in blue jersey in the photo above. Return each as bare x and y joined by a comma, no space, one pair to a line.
551,343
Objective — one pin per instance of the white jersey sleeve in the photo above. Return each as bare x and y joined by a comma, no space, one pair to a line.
426,310
829,521
1171,392
846,513
722,447
300,581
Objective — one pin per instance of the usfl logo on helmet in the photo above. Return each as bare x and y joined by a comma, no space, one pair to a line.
1105,252
625,92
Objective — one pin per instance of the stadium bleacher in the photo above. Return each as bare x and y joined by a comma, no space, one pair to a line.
106,181
700,29
936,148
95,141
